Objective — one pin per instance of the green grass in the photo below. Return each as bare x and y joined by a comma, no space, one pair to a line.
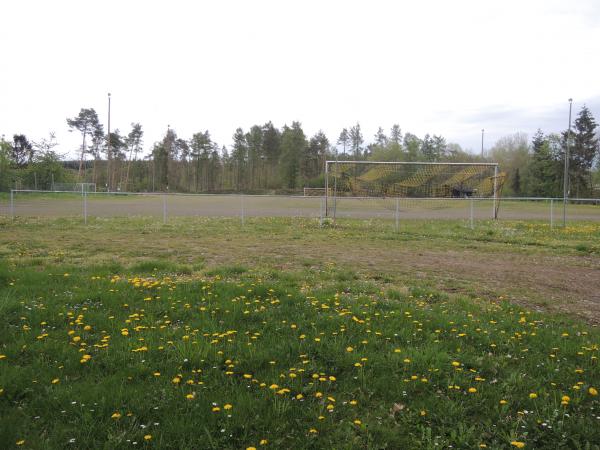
394,360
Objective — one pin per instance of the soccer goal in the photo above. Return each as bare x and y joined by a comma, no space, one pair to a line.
389,182
74,187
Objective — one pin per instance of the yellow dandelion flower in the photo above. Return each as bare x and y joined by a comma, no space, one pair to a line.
313,431
455,363
533,395
518,444
20,442
472,390
349,349
263,442
148,437
357,422
592,391
250,448
190,396
176,380
116,415
55,381
227,406
503,402
216,409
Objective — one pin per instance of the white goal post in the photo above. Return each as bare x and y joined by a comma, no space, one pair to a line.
411,180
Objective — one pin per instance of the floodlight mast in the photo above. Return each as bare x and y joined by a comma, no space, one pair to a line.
326,186
566,175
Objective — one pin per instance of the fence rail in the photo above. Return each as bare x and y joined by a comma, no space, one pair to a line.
36,203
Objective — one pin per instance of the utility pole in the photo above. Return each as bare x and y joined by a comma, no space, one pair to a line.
566,175
482,132
108,153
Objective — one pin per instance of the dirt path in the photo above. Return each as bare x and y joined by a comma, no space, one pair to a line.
569,284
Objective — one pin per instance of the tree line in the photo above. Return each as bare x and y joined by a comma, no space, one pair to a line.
266,158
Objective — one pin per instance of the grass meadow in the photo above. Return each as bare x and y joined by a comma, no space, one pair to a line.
197,334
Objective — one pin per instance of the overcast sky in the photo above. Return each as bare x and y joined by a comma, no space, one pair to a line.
444,67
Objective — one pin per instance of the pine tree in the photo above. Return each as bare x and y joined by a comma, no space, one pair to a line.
293,146
344,140
380,138
356,140
583,152
239,154
85,122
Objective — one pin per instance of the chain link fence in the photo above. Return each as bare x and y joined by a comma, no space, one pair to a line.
30,203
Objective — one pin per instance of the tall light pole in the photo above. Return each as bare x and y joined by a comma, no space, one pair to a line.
566,175
108,153
482,131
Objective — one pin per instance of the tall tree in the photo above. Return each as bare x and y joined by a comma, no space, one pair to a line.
344,139
162,154
356,140
412,144
428,149
583,152
511,153
396,134
85,122
316,155
201,146
21,150
271,144
98,141
116,153
254,140
133,143
543,171
239,154
293,145
380,138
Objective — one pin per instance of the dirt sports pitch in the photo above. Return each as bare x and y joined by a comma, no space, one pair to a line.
28,204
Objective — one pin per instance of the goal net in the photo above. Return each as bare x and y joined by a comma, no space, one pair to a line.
315,192
386,182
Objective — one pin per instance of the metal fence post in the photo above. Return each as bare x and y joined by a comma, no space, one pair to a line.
12,204
243,212
472,225
321,212
397,214
551,213
85,207
164,209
